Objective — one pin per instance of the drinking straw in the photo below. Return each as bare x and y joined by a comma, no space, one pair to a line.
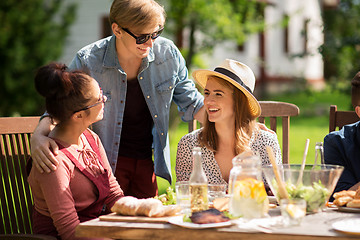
282,190
303,162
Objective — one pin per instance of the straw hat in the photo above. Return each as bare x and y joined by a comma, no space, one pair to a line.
238,74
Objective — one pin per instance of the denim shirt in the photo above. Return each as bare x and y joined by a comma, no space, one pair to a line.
163,77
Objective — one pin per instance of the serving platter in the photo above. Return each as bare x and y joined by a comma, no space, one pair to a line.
113,217
348,209
178,221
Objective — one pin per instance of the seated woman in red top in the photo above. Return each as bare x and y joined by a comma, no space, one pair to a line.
83,183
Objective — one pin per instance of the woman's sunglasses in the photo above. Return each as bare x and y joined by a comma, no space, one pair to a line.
143,38
102,99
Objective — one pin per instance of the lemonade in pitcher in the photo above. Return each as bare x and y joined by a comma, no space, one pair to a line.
249,199
248,195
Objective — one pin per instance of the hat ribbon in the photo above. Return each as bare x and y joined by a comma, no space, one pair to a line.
233,76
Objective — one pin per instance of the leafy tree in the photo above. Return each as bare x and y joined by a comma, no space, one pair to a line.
207,23
32,33
341,48
212,21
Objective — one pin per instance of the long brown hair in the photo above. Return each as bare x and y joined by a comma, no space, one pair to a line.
244,122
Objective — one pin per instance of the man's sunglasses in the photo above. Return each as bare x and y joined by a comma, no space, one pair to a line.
144,37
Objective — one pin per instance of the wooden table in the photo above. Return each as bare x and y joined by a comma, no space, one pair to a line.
313,227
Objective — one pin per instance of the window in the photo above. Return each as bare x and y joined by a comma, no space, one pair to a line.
286,33
306,35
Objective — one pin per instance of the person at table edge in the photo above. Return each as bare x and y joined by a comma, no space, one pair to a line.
83,187
343,147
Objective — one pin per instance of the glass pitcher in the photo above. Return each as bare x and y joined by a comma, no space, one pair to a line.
248,196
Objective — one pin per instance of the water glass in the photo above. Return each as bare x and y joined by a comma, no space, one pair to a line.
216,191
183,196
292,211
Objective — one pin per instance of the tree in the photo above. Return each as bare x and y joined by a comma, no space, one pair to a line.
32,33
341,48
212,21
209,22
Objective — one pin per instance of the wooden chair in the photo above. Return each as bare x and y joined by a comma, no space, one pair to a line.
341,118
15,198
274,110
26,237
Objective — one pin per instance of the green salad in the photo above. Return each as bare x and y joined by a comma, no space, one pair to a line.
168,198
315,195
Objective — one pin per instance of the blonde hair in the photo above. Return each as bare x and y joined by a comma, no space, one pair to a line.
137,14
244,122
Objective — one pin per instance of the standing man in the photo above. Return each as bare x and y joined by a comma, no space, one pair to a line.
141,74
343,147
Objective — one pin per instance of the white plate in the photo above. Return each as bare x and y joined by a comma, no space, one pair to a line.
350,226
349,209
178,220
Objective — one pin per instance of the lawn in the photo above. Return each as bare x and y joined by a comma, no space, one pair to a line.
312,123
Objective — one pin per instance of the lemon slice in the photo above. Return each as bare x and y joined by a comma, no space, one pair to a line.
295,211
250,188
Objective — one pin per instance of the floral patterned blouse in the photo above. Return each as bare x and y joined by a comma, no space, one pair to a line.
258,142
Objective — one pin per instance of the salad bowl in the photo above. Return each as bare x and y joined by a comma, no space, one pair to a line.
316,183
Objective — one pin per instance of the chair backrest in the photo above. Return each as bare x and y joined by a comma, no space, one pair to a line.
15,198
274,110
341,118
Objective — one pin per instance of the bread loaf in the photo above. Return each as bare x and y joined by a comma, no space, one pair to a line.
347,198
357,194
344,193
354,203
126,206
171,210
342,201
149,207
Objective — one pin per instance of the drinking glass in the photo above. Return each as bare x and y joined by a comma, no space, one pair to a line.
216,191
292,211
183,196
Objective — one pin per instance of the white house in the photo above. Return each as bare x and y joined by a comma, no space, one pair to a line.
281,55
89,26
274,55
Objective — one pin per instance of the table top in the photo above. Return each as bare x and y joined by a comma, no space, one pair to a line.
313,227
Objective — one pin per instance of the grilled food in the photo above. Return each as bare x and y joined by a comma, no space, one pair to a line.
211,215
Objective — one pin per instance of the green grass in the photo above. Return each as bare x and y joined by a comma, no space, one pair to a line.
312,123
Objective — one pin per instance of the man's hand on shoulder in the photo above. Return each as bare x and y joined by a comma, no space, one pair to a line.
263,127
43,152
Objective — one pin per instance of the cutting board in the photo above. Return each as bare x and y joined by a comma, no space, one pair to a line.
113,217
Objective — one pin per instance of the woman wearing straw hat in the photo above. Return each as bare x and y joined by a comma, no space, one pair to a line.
230,127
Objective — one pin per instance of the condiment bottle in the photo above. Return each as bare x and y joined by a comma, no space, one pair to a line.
248,196
198,184
319,152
